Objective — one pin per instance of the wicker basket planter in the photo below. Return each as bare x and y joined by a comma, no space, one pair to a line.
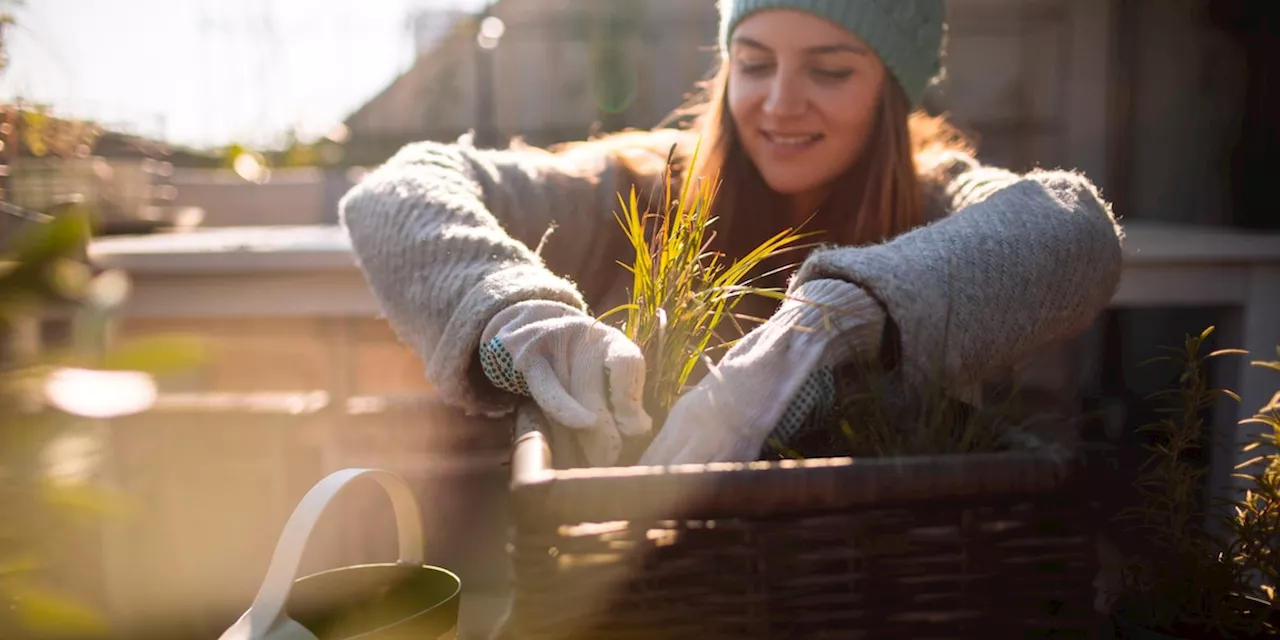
977,546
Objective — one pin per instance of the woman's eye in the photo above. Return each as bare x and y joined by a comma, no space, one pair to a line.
754,68
832,74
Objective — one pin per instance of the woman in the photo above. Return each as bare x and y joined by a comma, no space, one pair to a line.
484,261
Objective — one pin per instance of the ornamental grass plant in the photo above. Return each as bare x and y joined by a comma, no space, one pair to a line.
683,292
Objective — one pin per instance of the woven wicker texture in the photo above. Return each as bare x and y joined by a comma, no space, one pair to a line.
978,546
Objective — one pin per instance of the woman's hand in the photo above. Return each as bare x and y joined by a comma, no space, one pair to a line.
728,416
584,374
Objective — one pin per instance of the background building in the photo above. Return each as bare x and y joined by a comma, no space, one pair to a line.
1149,97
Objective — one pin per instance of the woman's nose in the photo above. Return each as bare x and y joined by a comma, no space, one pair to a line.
786,97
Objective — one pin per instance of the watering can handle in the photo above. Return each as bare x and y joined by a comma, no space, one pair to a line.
269,604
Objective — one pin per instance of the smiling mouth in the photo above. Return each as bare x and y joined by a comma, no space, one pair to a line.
792,140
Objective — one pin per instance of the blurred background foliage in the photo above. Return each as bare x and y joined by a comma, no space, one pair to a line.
53,398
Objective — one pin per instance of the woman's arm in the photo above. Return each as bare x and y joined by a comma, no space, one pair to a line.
1020,261
447,236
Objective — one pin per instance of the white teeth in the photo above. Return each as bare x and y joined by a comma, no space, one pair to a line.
793,140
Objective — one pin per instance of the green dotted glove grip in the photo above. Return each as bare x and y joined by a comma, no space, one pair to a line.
810,408
500,368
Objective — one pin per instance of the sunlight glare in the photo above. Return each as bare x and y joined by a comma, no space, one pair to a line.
491,30
100,394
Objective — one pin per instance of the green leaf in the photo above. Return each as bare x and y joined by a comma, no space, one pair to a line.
45,264
18,566
1156,360
46,613
1265,421
1250,462
67,278
84,499
65,235
156,354
1228,352
616,310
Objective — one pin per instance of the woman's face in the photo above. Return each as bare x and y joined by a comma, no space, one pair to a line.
803,94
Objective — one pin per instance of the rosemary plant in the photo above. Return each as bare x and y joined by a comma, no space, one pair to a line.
1254,520
878,417
1192,580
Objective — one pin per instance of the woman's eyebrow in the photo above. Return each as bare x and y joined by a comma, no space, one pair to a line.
839,48
753,44
814,50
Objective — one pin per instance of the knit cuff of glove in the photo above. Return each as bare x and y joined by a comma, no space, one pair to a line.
846,321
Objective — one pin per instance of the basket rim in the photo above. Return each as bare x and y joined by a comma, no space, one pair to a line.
541,493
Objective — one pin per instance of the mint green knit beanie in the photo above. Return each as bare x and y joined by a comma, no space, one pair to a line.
906,34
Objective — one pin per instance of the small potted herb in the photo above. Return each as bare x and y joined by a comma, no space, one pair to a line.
1194,581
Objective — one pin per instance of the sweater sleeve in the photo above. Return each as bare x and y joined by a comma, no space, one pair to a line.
1019,261
447,236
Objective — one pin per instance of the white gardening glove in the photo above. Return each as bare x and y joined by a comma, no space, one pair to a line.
730,413
584,374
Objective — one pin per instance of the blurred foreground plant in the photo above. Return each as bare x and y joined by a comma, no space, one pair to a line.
47,399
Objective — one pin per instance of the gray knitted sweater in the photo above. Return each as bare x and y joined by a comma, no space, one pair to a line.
448,235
